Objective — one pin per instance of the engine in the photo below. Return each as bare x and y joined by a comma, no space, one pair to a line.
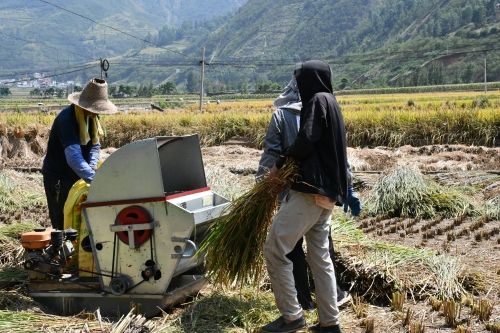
48,252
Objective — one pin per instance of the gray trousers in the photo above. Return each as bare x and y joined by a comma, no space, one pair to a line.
299,216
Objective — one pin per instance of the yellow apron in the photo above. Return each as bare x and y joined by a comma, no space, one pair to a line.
73,218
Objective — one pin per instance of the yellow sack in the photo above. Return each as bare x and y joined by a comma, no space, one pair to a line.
74,219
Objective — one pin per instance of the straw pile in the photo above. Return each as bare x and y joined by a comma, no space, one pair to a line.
28,321
492,208
234,244
405,192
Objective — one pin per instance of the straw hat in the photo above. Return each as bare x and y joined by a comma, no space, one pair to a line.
94,98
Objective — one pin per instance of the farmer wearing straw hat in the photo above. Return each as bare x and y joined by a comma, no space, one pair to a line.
73,149
281,134
322,182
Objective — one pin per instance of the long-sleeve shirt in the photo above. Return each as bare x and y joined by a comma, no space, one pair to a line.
69,164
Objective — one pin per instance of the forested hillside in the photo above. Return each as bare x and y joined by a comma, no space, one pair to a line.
400,37
369,43
36,35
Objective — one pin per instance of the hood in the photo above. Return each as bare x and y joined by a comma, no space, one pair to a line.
313,76
290,95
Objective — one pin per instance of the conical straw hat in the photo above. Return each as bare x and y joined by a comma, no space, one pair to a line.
94,98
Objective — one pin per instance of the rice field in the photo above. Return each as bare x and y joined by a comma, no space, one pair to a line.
424,254
391,120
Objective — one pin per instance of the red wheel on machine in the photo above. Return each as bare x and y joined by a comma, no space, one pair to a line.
134,215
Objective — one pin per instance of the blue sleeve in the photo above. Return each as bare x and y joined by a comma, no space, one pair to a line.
77,163
95,155
272,146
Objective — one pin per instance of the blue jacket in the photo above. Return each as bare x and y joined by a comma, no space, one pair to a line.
281,133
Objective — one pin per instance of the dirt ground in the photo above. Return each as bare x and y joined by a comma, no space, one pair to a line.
231,169
477,245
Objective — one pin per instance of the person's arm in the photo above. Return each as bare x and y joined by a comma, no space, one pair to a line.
77,163
309,133
352,201
95,155
272,146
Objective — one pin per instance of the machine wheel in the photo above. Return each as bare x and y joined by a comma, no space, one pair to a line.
134,215
119,285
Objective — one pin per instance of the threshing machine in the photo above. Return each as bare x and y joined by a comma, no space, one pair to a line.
146,211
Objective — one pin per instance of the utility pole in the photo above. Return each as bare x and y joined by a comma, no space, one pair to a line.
485,76
202,63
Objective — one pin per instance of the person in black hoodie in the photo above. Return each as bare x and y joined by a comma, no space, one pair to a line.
320,153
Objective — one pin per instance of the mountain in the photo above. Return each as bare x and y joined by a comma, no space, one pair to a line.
368,43
36,35
403,41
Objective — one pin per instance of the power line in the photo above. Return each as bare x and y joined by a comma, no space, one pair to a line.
113,28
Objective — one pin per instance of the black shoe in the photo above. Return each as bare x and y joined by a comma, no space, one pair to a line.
325,329
281,326
343,298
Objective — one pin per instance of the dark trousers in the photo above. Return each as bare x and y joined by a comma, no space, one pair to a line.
56,190
303,282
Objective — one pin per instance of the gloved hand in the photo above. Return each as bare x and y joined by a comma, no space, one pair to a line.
353,203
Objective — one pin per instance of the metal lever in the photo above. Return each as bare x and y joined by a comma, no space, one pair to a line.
130,228
189,250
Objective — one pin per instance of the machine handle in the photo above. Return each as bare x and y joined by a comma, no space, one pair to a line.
189,250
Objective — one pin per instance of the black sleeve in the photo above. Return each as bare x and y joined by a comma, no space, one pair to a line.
310,131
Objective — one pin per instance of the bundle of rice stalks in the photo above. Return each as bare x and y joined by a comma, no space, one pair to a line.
405,192
234,244
492,208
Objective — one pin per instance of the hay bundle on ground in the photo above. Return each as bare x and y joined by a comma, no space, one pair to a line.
405,192
492,208
234,244
377,269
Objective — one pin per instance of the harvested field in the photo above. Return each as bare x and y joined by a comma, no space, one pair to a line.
371,265
406,269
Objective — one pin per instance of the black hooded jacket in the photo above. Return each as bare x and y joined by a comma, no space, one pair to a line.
320,147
